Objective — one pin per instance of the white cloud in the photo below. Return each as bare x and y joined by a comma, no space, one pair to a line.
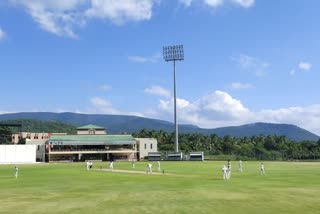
307,117
222,105
255,65
104,87
187,111
104,106
238,85
182,104
219,109
157,90
244,3
302,66
292,72
213,3
305,66
121,11
213,110
6,112
60,17
217,3
140,59
2,34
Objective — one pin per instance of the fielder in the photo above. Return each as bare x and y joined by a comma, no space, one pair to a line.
158,165
224,172
111,166
149,168
262,171
240,165
229,170
133,163
16,172
87,165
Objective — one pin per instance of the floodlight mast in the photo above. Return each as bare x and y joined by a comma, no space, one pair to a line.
174,53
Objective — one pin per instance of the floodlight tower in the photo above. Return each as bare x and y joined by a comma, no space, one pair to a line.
174,53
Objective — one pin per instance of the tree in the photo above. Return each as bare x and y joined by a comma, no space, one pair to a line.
5,135
270,143
22,141
256,147
227,144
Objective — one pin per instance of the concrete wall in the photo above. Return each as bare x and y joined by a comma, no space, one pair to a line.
146,145
17,154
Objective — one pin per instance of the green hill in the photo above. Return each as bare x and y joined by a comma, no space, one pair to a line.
32,125
116,124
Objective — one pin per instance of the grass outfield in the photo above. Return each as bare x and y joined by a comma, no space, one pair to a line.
185,187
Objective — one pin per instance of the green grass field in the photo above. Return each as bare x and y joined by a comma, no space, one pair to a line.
185,187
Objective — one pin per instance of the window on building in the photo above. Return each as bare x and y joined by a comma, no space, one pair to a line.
91,131
145,146
151,146
38,147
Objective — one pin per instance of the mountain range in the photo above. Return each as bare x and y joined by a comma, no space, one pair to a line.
116,124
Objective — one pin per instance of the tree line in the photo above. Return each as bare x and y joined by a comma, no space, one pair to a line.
245,148
260,147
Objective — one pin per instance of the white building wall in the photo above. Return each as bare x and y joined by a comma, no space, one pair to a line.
17,154
2,154
91,132
10,154
146,145
40,148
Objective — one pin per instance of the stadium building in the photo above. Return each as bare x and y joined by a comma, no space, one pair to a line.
30,136
93,143
34,138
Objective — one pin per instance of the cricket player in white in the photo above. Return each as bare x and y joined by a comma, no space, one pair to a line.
262,172
16,172
229,170
224,172
133,163
149,168
240,165
87,165
111,166
158,165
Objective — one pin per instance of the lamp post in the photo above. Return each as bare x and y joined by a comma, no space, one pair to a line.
174,53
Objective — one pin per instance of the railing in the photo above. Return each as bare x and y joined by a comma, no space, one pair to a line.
90,150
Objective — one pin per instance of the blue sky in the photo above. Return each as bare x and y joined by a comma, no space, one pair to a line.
245,60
